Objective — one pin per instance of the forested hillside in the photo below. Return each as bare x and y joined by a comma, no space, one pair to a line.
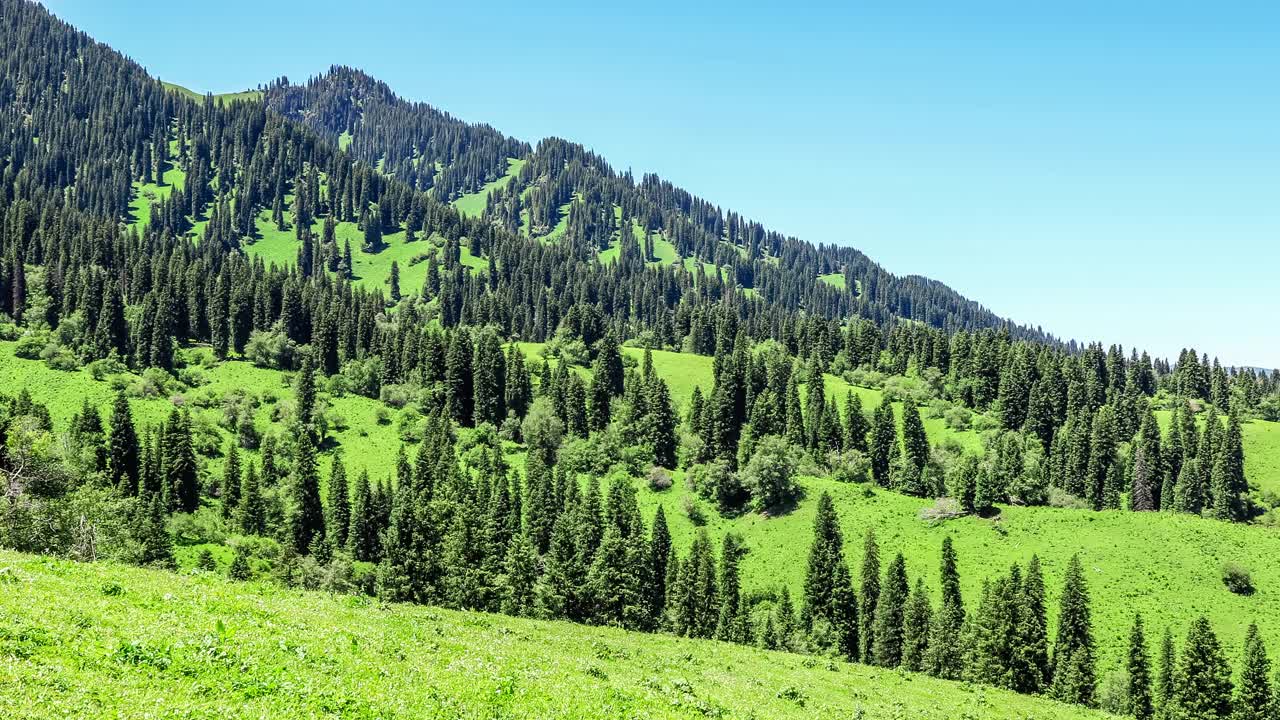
331,339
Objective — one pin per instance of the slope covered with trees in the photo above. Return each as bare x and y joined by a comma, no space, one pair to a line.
305,363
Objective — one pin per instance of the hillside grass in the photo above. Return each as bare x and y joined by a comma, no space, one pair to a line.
103,640
473,204
370,270
365,444
835,280
219,98
1166,566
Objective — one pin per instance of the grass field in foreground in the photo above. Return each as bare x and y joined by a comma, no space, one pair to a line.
102,640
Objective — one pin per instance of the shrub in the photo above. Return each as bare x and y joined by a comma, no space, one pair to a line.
397,396
958,418
716,482
1237,579
9,331
849,466
31,345
693,511
240,569
206,561
271,349
1060,498
107,367
60,358
944,508
659,479
382,416
770,476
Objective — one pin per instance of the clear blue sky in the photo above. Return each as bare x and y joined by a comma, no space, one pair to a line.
1107,170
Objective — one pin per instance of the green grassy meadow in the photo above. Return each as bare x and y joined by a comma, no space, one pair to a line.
473,204
104,640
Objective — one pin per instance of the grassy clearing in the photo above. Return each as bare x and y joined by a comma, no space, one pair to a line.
220,98
371,270
472,204
364,443
835,280
99,640
144,194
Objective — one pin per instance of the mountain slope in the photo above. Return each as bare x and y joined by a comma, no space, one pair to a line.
561,190
97,640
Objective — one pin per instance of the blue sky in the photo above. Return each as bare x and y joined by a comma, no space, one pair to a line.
1109,171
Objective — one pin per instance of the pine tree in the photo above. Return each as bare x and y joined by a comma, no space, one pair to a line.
155,543
1254,700
1139,703
230,486
1031,661
1073,658
1165,675
338,519
1202,685
362,535
889,612
180,463
251,514
946,647
869,595
917,626
659,555
883,442
520,577
123,451
1142,493
856,426
915,445
306,519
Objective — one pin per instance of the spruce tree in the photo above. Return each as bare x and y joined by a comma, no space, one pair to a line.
251,513
889,614
1202,685
520,577
946,647
123,451
915,445
1138,703
1165,674
869,596
306,518
180,463
230,486
917,626
153,538
1031,657
1073,658
338,520
883,442
856,426
362,533
1254,699
659,554
1142,492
